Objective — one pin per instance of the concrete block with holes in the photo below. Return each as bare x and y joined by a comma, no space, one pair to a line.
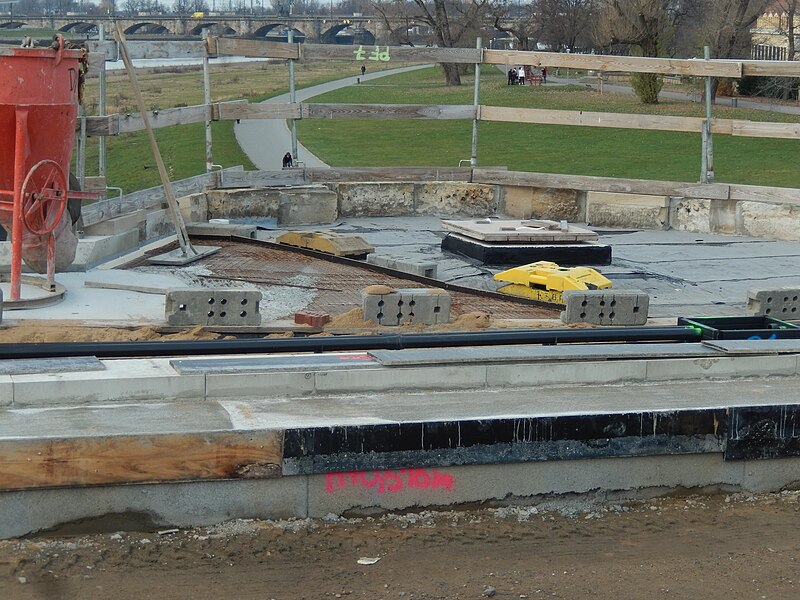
780,303
605,307
210,306
415,266
407,306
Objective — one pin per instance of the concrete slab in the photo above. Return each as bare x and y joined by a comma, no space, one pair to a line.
6,390
255,385
407,488
358,380
565,373
571,352
263,364
755,346
50,365
122,381
526,230
154,505
109,420
721,367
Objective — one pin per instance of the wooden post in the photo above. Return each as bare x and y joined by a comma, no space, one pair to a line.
207,100
172,204
708,142
101,144
473,161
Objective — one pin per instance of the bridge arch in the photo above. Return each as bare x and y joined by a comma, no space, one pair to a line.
279,32
146,27
347,33
12,25
220,28
80,27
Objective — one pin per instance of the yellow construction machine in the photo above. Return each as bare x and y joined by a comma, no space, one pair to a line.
546,281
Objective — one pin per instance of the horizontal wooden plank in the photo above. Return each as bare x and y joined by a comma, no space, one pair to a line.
164,118
601,184
101,126
591,119
97,62
765,130
102,460
245,179
229,110
628,64
390,174
253,48
387,111
96,183
150,49
406,54
771,68
755,193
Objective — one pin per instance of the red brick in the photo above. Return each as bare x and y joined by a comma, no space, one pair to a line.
310,317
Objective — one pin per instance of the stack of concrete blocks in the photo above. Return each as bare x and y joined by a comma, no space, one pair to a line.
780,303
415,266
407,306
211,306
606,307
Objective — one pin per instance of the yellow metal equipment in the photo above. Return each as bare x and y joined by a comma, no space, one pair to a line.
337,244
546,281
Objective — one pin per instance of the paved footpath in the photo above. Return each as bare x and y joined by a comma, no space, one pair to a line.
265,141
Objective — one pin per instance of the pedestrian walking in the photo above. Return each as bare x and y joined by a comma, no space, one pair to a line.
521,75
544,74
363,70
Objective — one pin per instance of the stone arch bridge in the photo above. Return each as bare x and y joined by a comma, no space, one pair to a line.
318,29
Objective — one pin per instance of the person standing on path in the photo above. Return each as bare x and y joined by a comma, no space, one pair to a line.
363,70
544,74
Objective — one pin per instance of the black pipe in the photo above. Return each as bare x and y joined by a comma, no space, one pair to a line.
345,343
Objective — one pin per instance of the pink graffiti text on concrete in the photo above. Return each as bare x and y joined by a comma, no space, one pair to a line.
390,481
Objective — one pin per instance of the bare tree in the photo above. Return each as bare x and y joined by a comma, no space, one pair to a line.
455,23
526,27
566,24
644,26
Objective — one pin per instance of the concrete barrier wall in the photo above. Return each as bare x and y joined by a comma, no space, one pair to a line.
117,226
777,220
210,502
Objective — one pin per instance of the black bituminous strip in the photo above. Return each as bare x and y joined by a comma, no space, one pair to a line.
364,447
763,432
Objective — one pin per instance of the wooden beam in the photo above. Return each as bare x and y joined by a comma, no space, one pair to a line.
590,119
404,54
245,179
771,68
163,118
756,193
150,49
227,111
100,126
764,129
601,184
628,64
104,460
387,111
219,46
390,174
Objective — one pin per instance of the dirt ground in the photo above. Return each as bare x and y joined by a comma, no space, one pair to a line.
733,547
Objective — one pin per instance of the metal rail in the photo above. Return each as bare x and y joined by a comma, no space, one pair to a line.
350,343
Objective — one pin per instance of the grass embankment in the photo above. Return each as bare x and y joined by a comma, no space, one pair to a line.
544,148
130,163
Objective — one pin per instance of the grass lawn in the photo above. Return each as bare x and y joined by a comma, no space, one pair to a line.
543,148
129,161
